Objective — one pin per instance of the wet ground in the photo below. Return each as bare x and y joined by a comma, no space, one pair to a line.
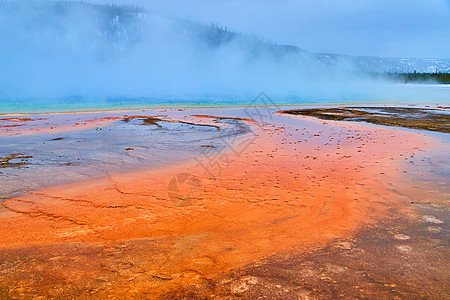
404,256
294,209
34,158
434,119
398,259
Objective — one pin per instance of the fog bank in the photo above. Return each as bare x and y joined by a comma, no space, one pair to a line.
53,50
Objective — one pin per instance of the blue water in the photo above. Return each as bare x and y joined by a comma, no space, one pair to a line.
394,94
69,104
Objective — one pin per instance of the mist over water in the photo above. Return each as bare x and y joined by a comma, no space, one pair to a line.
72,56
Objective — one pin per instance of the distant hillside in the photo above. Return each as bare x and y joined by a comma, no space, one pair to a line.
124,26
74,50
443,78
386,65
54,20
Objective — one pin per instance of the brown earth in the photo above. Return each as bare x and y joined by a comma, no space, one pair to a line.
436,119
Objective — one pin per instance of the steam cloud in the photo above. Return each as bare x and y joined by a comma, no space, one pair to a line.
61,49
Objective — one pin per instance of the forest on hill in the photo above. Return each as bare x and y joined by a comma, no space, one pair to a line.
443,78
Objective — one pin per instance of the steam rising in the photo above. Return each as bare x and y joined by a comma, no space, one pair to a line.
62,49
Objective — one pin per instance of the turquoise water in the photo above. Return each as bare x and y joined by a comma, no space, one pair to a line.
69,104
390,94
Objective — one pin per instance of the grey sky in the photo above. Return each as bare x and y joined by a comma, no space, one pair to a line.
390,28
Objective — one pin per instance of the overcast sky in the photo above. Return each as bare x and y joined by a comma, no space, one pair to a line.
390,28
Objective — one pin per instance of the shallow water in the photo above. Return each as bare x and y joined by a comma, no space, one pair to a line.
302,185
31,161
385,94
